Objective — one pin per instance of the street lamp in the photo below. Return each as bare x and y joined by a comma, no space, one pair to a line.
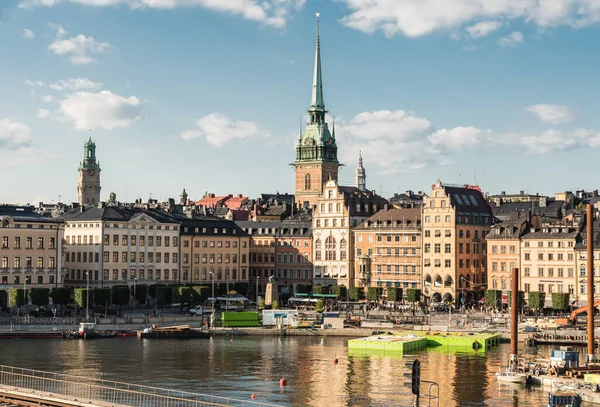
87,297
25,301
257,288
212,316
134,286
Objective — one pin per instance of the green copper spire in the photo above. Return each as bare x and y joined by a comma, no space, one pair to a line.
316,102
89,156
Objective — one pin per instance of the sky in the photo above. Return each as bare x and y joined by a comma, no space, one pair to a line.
210,94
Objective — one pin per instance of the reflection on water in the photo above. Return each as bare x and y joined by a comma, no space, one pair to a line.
245,366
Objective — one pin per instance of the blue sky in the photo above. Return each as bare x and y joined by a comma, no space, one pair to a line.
208,94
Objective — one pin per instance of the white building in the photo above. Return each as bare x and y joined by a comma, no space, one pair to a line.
115,245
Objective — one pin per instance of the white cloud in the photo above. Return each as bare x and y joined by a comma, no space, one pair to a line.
75,84
104,110
14,135
219,130
483,29
34,84
43,113
458,138
555,140
511,39
29,155
415,18
398,141
79,48
551,113
28,34
48,99
273,13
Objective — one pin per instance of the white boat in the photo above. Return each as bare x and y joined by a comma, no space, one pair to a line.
509,377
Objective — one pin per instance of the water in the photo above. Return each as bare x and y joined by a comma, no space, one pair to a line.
254,365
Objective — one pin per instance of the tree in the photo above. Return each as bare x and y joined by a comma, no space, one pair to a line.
319,305
120,295
164,295
413,295
153,288
61,296
493,298
318,289
339,290
521,299
536,300
102,297
394,294
81,297
141,293
181,294
275,304
200,293
261,304
373,293
112,198
16,297
40,296
303,288
560,301
356,293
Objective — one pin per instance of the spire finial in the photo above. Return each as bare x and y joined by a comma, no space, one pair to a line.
318,21
316,102
300,132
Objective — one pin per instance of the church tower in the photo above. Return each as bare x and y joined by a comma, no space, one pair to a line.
316,150
360,175
88,188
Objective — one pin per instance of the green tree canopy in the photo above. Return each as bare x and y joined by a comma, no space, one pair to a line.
40,296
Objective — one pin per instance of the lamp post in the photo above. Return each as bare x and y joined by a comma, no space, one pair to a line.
25,301
134,286
87,297
257,288
212,315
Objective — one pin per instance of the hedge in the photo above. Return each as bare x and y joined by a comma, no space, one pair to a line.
339,290
560,301
394,294
521,300
536,299
373,293
413,295
40,296
356,293
16,297
493,298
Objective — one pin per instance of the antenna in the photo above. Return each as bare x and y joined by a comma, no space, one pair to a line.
475,176
381,188
318,20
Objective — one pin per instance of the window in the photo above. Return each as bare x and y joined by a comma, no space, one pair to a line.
40,242
540,272
29,243
115,257
447,248
307,185
427,233
427,247
330,248
106,240
124,240
437,248
527,257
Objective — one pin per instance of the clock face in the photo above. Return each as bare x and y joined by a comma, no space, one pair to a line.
91,172
308,141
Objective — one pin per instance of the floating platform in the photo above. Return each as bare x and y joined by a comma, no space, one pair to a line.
415,341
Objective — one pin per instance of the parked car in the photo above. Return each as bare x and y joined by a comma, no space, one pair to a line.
199,310
531,329
437,306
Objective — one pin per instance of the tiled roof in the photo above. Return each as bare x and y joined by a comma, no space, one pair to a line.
236,202
206,225
468,200
116,214
581,245
513,229
24,214
406,216
211,201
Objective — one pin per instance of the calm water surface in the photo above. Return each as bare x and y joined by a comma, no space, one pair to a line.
244,366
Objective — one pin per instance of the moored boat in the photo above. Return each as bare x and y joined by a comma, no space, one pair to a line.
172,332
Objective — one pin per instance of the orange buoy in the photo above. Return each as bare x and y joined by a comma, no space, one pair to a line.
283,382
335,361
253,396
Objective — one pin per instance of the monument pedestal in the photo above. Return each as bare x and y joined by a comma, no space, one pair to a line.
271,294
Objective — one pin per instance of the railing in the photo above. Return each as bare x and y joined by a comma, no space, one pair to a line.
115,393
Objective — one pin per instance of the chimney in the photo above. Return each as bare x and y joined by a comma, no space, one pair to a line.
521,192
503,193
239,195
101,204
386,207
211,195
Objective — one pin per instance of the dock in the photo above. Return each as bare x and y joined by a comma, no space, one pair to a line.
415,341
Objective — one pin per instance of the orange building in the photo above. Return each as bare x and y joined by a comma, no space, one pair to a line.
388,249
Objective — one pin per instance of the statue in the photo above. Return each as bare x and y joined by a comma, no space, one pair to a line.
112,198
271,291
272,279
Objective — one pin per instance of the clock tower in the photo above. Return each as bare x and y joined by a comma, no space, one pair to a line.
88,187
316,151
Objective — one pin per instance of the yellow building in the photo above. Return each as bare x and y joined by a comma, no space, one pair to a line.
31,249
581,264
456,220
214,249
548,260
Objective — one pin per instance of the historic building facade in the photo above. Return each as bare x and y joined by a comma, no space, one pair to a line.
316,149
504,252
337,211
31,249
214,250
114,245
456,220
388,249
88,187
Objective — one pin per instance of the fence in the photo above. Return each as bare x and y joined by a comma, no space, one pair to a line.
115,393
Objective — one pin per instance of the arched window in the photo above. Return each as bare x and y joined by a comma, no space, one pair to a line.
330,248
219,274
307,182
343,249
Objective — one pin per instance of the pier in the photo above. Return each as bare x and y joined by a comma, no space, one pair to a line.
26,387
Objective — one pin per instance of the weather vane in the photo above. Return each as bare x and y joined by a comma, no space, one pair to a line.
318,20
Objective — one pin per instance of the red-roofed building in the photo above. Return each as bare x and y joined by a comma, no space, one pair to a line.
212,201
236,202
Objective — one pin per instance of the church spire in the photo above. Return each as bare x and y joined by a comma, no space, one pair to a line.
360,175
316,102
